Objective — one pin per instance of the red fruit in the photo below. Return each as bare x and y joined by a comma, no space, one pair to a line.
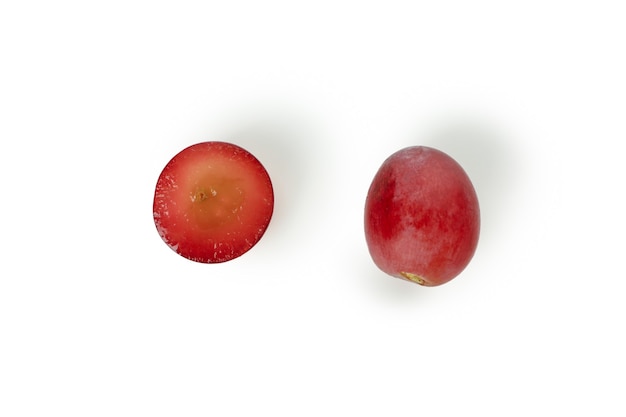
213,202
421,217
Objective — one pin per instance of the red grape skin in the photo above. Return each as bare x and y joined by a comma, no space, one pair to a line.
422,218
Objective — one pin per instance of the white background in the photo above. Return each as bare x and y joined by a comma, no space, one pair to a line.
98,317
